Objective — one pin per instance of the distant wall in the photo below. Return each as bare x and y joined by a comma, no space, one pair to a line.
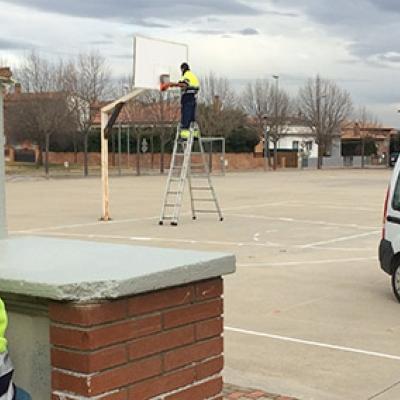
235,161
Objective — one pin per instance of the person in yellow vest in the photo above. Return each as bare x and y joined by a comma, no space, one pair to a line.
190,86
8,391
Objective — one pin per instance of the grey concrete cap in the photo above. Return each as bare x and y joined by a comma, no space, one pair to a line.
83,271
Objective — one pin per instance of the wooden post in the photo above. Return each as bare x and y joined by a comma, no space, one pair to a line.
104,169
119,148
3,226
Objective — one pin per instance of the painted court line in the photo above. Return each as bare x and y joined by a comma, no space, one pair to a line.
302,221
338,240
149,239
126,221
314,344
316,262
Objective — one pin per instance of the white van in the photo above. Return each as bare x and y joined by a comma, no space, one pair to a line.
389,249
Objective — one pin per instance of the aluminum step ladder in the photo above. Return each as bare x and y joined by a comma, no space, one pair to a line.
196,172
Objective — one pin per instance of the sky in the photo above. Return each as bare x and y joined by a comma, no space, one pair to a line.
353,42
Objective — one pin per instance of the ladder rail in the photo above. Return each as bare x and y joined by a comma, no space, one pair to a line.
179,173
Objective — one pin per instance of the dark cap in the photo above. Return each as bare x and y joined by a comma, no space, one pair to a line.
185,66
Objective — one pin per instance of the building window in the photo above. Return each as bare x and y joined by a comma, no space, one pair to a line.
295,145
309,145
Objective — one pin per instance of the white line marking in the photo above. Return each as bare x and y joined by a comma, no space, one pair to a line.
125,221
316,262
302,221
315,344
97,223
334,207
337,240
148,239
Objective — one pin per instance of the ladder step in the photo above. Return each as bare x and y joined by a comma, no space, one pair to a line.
201,188
204,200
207,211
173,192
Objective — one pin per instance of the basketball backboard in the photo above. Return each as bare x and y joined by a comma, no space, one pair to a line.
153,58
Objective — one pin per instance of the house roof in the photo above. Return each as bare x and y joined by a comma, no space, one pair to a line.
353,131
141,113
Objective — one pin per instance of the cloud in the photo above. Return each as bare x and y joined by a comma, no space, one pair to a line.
370,27
249,32
8,44
142,10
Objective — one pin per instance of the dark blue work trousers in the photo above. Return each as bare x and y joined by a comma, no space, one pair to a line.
188,110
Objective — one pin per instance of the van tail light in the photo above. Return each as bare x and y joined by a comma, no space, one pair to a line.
385,211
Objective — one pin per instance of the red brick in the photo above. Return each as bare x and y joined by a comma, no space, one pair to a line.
89,362
160,385
120,395
161,342
71,383
209,368
126,375
209,328
88,314
209,289
192,313
91,385
189,354
199,392
255,395
105,335
160,300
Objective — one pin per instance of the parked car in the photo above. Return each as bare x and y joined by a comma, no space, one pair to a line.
393,159
389,248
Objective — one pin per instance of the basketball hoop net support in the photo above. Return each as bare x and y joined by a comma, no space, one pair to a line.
109,115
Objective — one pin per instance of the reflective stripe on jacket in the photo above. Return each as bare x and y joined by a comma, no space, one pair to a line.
3,327
193,84
6,371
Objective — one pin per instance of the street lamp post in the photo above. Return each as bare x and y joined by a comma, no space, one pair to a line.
5,79
276,77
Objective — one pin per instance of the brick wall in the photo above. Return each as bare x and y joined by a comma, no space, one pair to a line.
166,344
236,161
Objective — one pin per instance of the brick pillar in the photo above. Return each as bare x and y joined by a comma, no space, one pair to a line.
164,343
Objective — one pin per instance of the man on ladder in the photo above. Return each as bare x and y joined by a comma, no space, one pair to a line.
181,162
190,86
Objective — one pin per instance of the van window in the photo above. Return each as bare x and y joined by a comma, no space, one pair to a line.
396,196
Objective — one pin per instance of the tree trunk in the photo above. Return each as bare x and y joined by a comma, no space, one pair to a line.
275,155
47,149
85,154
362,153
162,151
320,155
75,144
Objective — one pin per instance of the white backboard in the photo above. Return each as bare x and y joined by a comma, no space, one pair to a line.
153,58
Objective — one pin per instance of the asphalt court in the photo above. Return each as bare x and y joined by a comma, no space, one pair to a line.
308,312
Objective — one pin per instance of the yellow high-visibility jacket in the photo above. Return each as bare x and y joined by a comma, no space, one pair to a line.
193,83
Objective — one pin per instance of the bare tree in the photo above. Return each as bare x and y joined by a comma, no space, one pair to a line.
278,120
88,82
256,102
325,106
217,111
269,107
213,87
45,110
39,116
365,120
